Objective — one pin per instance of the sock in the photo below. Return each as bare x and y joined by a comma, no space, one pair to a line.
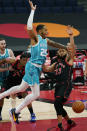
31,110
0,110
69,121
60,125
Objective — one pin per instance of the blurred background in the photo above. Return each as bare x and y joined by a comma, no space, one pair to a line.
64,12
14,15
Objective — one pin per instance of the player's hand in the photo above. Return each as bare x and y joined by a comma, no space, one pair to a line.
69,30
32,6
10,60
2,61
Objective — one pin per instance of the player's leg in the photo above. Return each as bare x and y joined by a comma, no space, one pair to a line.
33,117
13,101
28,99
31,77
58,107
15,89
70,122
30,108
1,106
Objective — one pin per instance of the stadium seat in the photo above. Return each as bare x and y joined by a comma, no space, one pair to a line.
45,9
41,3
18,3
21,1
72,3
0,3
37,10
61,3
78,9
56,9
50,3
21,10
7,3
6,0
26,4
68,9
9,10
1,10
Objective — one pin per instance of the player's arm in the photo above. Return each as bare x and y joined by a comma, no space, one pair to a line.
30,30
71,46
6,69
49,68
12,58
55,44
2,61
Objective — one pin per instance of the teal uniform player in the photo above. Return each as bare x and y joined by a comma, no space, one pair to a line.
3,75
34,65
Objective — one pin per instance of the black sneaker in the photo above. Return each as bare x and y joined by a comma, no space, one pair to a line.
33,118
69,126
59,129
14,115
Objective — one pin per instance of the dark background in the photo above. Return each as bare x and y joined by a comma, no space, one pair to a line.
78,20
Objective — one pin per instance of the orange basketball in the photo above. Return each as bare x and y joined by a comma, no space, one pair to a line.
78,106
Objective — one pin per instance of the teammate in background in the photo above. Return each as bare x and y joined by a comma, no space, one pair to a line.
6,58
14,78
34,65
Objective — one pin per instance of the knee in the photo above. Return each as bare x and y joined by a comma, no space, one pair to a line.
37,94
21,88
58,106
64,113
57,103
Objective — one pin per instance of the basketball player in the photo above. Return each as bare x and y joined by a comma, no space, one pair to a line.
14,78
34,65
6,58
63,75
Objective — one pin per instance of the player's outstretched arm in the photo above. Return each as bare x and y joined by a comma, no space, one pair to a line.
30,22
49,68
55,44
71,45
70,33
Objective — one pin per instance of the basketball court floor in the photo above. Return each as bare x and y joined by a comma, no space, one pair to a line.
45,113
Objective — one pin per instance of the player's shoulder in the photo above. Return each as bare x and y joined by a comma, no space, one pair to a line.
9,50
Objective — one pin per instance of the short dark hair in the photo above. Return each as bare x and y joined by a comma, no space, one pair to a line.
25,55
2,39
39,27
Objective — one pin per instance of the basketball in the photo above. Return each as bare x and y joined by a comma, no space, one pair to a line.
78,106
